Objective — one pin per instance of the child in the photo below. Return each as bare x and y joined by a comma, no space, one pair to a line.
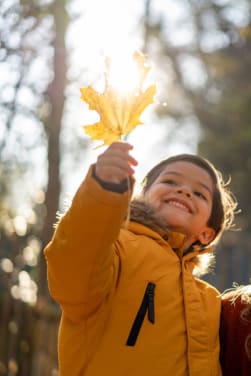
130,302
235,332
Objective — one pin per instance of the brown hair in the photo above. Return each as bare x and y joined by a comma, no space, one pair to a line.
224,203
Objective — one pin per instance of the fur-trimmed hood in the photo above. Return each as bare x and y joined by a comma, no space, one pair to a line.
144,214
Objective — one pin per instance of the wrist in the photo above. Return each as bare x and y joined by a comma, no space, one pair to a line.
121,187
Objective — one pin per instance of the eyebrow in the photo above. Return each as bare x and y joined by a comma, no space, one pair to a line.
197,182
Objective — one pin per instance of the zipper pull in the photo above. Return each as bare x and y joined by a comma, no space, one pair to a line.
150,294
147,305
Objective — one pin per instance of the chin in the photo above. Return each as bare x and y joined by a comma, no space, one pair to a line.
174,222
176,226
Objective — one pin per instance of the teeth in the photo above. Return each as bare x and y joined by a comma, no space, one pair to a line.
178,205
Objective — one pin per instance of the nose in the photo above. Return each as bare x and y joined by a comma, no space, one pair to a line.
185,190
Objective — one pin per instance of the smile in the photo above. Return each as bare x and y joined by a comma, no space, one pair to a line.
179,205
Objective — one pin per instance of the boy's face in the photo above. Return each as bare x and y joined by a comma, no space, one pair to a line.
182,195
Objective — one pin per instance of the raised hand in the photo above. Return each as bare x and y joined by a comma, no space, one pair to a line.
115,164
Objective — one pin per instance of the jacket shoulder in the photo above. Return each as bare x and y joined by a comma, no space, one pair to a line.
205,286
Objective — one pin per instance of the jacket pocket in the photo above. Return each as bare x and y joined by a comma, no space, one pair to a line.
147,306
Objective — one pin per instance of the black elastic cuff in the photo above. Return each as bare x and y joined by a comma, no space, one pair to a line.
121,187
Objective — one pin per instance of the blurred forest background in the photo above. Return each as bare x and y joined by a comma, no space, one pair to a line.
201,51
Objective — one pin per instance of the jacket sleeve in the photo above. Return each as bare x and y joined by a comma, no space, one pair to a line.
82,263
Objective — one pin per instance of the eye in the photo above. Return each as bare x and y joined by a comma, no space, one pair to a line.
200,195
169,182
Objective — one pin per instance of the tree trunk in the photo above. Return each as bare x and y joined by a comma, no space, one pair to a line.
56,97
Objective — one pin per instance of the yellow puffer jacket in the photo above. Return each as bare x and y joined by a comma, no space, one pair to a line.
130,305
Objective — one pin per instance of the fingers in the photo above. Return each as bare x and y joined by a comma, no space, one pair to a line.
115,164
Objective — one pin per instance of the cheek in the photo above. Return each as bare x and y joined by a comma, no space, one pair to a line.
151,197
206,209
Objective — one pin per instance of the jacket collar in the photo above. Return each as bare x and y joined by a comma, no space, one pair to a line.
143,221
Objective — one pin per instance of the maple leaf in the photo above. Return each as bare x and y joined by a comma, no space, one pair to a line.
119,114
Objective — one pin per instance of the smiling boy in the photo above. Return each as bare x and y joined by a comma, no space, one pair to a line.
131,304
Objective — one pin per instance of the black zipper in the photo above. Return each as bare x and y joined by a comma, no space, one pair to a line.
147,305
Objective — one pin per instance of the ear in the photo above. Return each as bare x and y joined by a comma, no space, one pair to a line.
207,235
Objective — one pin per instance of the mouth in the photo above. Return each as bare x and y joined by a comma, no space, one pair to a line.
179,204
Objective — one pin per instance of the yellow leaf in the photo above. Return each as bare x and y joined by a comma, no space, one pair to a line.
138,106
119,114
98,131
